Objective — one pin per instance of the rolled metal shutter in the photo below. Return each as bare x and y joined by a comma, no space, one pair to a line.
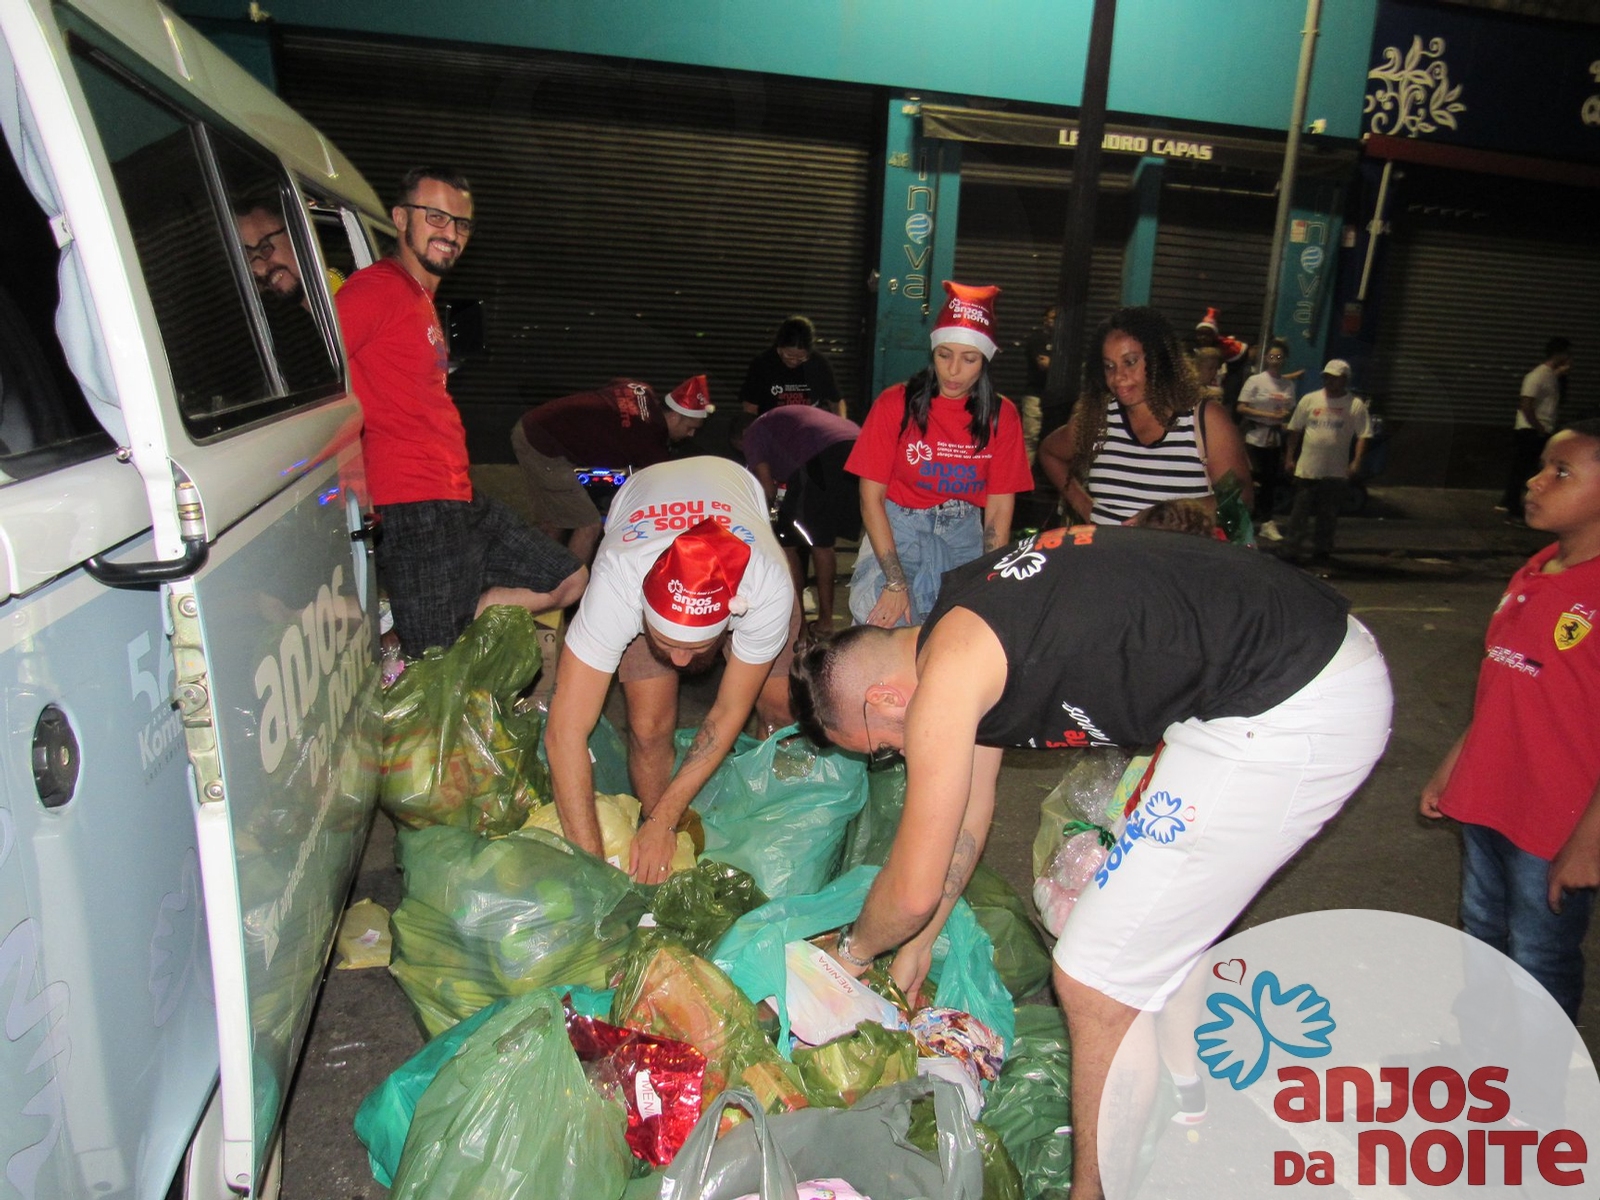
1009,233
634,219
1466,314
1213,247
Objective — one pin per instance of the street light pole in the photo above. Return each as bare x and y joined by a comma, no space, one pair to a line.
1291,160
1077,251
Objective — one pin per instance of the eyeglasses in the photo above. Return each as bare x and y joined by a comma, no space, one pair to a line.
263,248
439,219
883,755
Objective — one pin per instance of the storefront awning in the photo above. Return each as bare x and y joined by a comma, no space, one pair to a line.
1134,141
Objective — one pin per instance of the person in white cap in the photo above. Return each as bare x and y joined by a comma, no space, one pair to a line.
622,425
688,569
941,458
1324,424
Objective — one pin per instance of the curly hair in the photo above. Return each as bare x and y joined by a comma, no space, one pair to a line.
1171,386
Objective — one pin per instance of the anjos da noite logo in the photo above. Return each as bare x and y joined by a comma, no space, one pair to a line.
1352,1053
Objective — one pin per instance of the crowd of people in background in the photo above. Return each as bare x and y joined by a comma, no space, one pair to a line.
964,642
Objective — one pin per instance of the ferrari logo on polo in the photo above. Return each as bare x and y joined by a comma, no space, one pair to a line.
1571,628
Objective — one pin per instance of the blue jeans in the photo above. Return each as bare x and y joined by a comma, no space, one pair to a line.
1504,902
928,542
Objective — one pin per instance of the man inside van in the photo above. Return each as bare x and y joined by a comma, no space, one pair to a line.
447,552
301,350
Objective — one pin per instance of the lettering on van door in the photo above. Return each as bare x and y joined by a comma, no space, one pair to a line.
316,647
25,1014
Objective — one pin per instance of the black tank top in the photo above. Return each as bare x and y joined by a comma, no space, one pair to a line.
1111,634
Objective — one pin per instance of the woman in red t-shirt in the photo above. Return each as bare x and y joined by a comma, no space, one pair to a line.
941,459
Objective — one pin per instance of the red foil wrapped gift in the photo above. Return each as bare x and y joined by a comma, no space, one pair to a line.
658,1079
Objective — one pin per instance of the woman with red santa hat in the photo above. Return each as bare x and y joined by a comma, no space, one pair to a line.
941,459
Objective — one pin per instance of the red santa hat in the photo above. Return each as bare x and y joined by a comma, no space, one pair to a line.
691,398
1209,321
692,588
967,317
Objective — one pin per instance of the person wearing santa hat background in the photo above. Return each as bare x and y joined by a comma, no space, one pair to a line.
689,569
941,459
1236,356
622,424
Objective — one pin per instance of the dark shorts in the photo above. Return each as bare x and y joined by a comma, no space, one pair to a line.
824,498
436,557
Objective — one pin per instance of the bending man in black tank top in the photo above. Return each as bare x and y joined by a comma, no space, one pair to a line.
1271,703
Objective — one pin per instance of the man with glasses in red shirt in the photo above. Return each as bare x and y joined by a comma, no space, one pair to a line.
446,553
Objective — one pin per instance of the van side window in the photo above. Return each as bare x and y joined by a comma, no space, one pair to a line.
45,422
241,343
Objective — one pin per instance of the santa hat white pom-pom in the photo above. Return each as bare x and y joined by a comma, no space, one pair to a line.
738,606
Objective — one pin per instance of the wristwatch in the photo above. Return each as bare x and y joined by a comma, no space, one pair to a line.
841,950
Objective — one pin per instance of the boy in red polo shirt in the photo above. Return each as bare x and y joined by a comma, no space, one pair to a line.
1524,779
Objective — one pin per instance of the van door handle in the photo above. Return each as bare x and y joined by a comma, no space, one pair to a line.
147,574
371,529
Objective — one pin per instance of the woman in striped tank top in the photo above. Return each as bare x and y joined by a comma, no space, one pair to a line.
1140,434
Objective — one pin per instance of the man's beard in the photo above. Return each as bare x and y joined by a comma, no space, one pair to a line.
702,661
296,294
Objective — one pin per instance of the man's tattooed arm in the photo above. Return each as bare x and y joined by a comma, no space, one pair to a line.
962,864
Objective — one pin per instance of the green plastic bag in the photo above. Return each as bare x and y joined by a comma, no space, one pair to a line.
872,832
670,991
780,809
1000,1178
455,750
864,1144
490,917
838,1073
698,906
384,1118
511,1115
963,957
1020,954
1032,1101
1233,514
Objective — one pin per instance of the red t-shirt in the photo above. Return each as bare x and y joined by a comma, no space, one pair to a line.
926,469
1531,759
415,445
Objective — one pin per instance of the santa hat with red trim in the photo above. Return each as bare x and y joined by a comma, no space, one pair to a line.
693,587
967,317
691,398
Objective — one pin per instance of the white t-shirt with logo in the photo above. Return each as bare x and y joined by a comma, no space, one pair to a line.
652,508
1543,386
1329,426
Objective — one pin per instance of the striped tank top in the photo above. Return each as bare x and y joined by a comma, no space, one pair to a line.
1127,477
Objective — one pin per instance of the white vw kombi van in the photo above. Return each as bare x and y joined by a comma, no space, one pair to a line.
187,630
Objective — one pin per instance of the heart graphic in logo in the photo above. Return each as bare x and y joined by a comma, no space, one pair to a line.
1231,971
1189,813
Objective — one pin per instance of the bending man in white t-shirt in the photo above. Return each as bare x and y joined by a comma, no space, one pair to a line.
689,568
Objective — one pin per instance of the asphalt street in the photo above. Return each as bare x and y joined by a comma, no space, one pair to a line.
1428,606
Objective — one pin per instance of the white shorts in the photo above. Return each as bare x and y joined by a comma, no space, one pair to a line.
1230,801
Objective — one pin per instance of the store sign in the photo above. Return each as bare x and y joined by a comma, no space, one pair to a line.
1118,142
1476,78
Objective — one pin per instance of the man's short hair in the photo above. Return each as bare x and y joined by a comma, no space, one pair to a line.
814,679
265,199
795,333
1556,346
412,180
